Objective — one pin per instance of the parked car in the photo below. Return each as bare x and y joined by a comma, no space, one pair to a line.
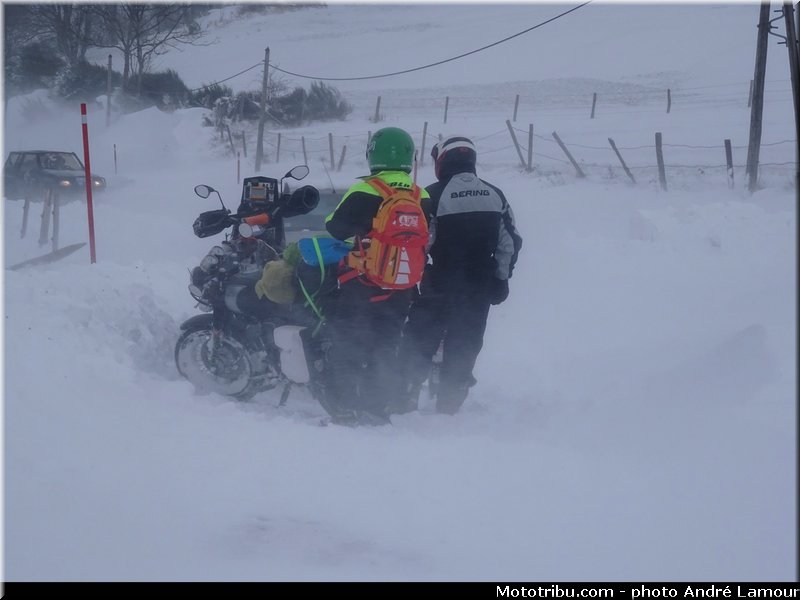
28,173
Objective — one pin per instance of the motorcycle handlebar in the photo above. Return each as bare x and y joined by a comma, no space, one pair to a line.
300,202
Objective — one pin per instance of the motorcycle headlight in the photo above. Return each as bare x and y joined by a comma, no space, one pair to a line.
196,292
65,183
209,262
245,230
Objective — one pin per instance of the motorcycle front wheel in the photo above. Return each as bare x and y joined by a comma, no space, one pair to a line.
218,364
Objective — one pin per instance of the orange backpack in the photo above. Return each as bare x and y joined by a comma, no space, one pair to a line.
394,257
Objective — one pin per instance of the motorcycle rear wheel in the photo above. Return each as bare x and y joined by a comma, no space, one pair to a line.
226,370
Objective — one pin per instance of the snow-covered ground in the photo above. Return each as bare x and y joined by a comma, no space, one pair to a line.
635,414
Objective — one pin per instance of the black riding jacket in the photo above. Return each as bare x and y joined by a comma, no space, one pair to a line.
475,238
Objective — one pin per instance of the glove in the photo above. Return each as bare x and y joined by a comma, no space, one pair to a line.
498,291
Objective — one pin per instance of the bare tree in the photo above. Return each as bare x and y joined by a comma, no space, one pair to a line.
142,31
69,25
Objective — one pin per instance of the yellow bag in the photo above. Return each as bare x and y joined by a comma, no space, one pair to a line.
277,283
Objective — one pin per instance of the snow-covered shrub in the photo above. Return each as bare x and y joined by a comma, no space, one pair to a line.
164,89
83,81
30,67
325,103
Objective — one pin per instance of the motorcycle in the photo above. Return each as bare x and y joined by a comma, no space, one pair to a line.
242,345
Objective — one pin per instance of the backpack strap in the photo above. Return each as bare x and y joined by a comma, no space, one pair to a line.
382,297
353,272
348,275
383,189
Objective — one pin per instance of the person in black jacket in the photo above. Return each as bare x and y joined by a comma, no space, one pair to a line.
473,253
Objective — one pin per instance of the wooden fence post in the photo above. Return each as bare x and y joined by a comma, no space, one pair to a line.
25,209
446,105
516,106
377,110
422,149
238,167
341,158
244,145
108,93
530,147
56,219
516,144
569,156
330,143
619,156
669,100
115,159
729,160
662,176
230,139
305,156
278,151
594,102
44,229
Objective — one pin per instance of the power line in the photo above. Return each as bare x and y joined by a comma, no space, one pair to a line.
436,63
202,87
654,93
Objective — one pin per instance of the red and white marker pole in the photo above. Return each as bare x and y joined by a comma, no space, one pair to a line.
88,182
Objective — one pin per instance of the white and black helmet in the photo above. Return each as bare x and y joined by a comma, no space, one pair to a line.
454,155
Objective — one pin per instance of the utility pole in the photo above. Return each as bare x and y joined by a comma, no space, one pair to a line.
108,94
260,143
794,65
757,109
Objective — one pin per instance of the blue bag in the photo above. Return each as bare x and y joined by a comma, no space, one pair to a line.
328,249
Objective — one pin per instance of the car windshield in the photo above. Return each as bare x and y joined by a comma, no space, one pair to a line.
61,161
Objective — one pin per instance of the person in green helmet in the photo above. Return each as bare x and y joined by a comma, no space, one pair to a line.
366,320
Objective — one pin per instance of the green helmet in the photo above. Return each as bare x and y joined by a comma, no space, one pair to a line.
390,149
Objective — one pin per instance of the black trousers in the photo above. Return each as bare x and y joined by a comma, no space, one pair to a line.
458,319
362,372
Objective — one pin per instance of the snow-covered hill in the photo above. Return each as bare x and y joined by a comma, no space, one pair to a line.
635,413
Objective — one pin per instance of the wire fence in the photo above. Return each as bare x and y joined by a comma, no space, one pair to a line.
545,155
534,152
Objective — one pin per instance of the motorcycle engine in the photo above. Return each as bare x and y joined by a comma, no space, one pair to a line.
202,276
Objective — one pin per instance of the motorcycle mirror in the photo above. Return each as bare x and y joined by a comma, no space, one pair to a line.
245,230
299,172
204,191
